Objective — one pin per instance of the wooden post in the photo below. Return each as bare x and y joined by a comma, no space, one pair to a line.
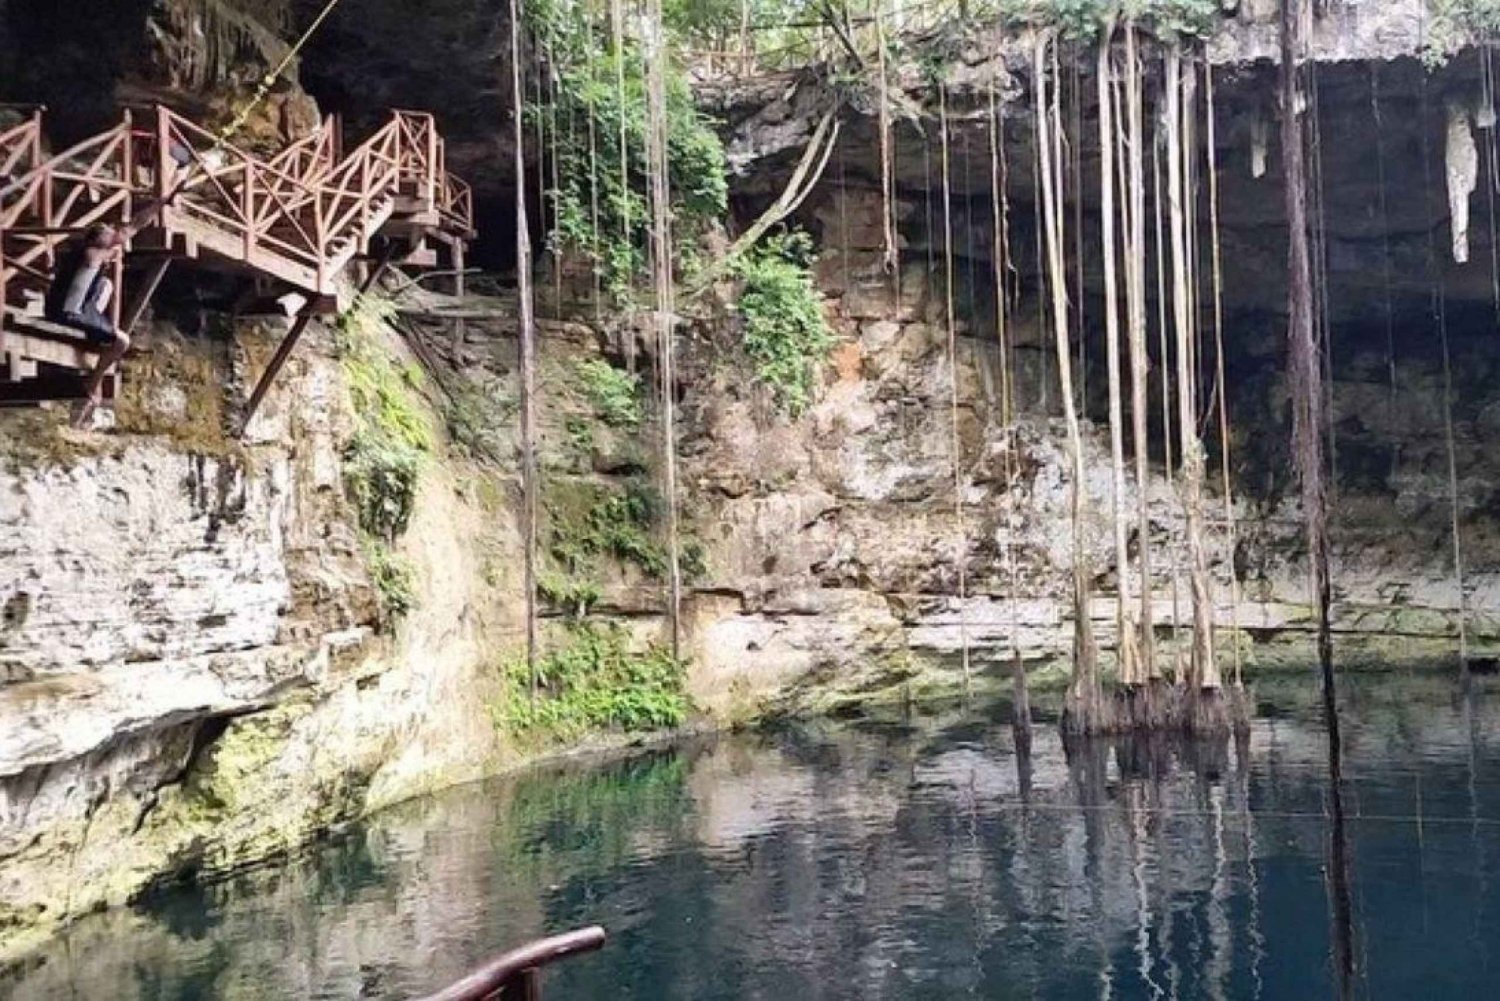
459,288
153,280
283,352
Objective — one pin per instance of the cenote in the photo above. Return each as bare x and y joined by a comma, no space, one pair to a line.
915,856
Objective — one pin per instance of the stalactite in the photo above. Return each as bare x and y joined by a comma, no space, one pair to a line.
1135,289
1461,158
1129,667
661,239
526,339
961,557
890,259
1440,319
1231,529
1084,711
1203,674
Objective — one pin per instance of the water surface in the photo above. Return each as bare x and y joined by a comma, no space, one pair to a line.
910,858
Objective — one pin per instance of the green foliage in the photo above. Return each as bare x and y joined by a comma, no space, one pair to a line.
1082,20
610,524
381,476
786,334
595,681
395,580
575,594
599,212
1453,22
580,432
477,420
614,393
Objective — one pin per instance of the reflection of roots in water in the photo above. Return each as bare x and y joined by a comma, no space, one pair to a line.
1160,707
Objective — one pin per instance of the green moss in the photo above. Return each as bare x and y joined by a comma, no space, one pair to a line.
393,437
593,681
588,522
786,334
478,420
574,594
395,579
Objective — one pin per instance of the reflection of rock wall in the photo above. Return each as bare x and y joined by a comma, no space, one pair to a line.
881,858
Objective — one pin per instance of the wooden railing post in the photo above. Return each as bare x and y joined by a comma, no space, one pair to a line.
163,157
247,206
432,156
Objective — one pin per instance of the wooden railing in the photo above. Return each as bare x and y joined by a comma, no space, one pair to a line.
21,146
516,975
84,185
301,215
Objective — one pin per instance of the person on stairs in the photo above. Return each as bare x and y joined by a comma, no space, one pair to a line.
80,298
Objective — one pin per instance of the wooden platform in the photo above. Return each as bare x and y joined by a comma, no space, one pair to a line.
295,220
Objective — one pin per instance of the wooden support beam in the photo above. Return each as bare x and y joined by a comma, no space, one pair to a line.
148,290
289,342
283,352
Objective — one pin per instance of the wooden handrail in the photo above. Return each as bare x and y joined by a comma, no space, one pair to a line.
518,968
307,205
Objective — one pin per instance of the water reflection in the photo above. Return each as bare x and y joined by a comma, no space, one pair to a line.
913,859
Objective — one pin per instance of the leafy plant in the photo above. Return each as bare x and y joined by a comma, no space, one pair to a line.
608,524
395,580
574,594
1082,20
1454,21
595,681
614,393
786,334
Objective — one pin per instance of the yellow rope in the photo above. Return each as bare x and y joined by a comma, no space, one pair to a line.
263,89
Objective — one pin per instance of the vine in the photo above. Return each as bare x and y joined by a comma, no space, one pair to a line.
602,214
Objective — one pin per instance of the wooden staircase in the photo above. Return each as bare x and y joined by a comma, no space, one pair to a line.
295,220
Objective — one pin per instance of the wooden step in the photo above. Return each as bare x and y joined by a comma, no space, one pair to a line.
30,340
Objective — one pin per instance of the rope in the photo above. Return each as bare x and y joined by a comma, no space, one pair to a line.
962,540
263,89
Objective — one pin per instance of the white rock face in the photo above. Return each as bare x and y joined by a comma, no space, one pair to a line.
191,665
141,556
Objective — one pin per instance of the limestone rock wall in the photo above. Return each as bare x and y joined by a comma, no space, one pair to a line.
835,539
193,670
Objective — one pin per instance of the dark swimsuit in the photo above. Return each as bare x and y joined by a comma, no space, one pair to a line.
89,320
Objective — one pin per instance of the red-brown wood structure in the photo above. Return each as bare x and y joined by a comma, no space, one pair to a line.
294,221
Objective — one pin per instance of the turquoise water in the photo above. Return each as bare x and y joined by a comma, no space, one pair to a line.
906,858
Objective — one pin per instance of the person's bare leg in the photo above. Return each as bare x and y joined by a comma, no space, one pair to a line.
92,389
